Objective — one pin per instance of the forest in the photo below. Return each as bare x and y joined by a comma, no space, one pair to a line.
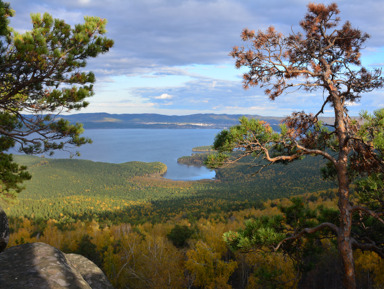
124,234
135,191
146,231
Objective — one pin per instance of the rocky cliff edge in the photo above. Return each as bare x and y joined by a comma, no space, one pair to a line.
41,266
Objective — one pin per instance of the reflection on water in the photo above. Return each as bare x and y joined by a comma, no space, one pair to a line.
190,173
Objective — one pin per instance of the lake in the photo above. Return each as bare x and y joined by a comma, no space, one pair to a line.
148,145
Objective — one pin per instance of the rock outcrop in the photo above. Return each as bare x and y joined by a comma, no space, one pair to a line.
89,271
41,266
4,230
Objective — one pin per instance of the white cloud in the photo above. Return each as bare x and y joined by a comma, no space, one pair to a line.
164,96
84,2
349,103
181,65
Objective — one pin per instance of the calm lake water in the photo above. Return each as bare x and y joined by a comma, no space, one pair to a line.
148,145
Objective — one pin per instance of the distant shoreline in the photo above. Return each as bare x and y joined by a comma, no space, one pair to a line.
158,121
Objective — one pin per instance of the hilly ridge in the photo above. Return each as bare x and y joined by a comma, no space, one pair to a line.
147,120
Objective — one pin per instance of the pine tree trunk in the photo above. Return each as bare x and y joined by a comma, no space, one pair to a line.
345,226
344,237
344,240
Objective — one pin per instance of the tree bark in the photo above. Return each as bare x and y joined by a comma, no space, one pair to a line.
344,237
345,226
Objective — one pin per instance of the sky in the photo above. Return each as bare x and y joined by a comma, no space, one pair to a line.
171,56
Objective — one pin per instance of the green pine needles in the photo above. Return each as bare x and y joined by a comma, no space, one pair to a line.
41,75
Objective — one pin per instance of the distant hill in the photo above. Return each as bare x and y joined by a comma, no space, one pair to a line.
215,121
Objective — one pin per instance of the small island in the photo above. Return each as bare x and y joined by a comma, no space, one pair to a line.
196,159
203,149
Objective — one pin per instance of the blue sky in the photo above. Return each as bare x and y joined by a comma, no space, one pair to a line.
171,56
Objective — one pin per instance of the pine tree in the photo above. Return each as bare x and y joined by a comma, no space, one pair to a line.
324,57
41,75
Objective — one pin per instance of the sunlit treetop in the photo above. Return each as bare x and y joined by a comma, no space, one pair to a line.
326,56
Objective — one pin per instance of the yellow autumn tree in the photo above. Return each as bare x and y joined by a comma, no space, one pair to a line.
208,268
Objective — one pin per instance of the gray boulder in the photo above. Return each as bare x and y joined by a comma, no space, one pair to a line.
4,230
41,266
89,271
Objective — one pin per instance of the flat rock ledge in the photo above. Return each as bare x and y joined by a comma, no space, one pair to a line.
41,266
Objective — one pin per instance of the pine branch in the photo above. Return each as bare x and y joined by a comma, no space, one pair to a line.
331,226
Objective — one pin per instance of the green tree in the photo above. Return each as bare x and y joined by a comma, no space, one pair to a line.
325,57
179,235
40,77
